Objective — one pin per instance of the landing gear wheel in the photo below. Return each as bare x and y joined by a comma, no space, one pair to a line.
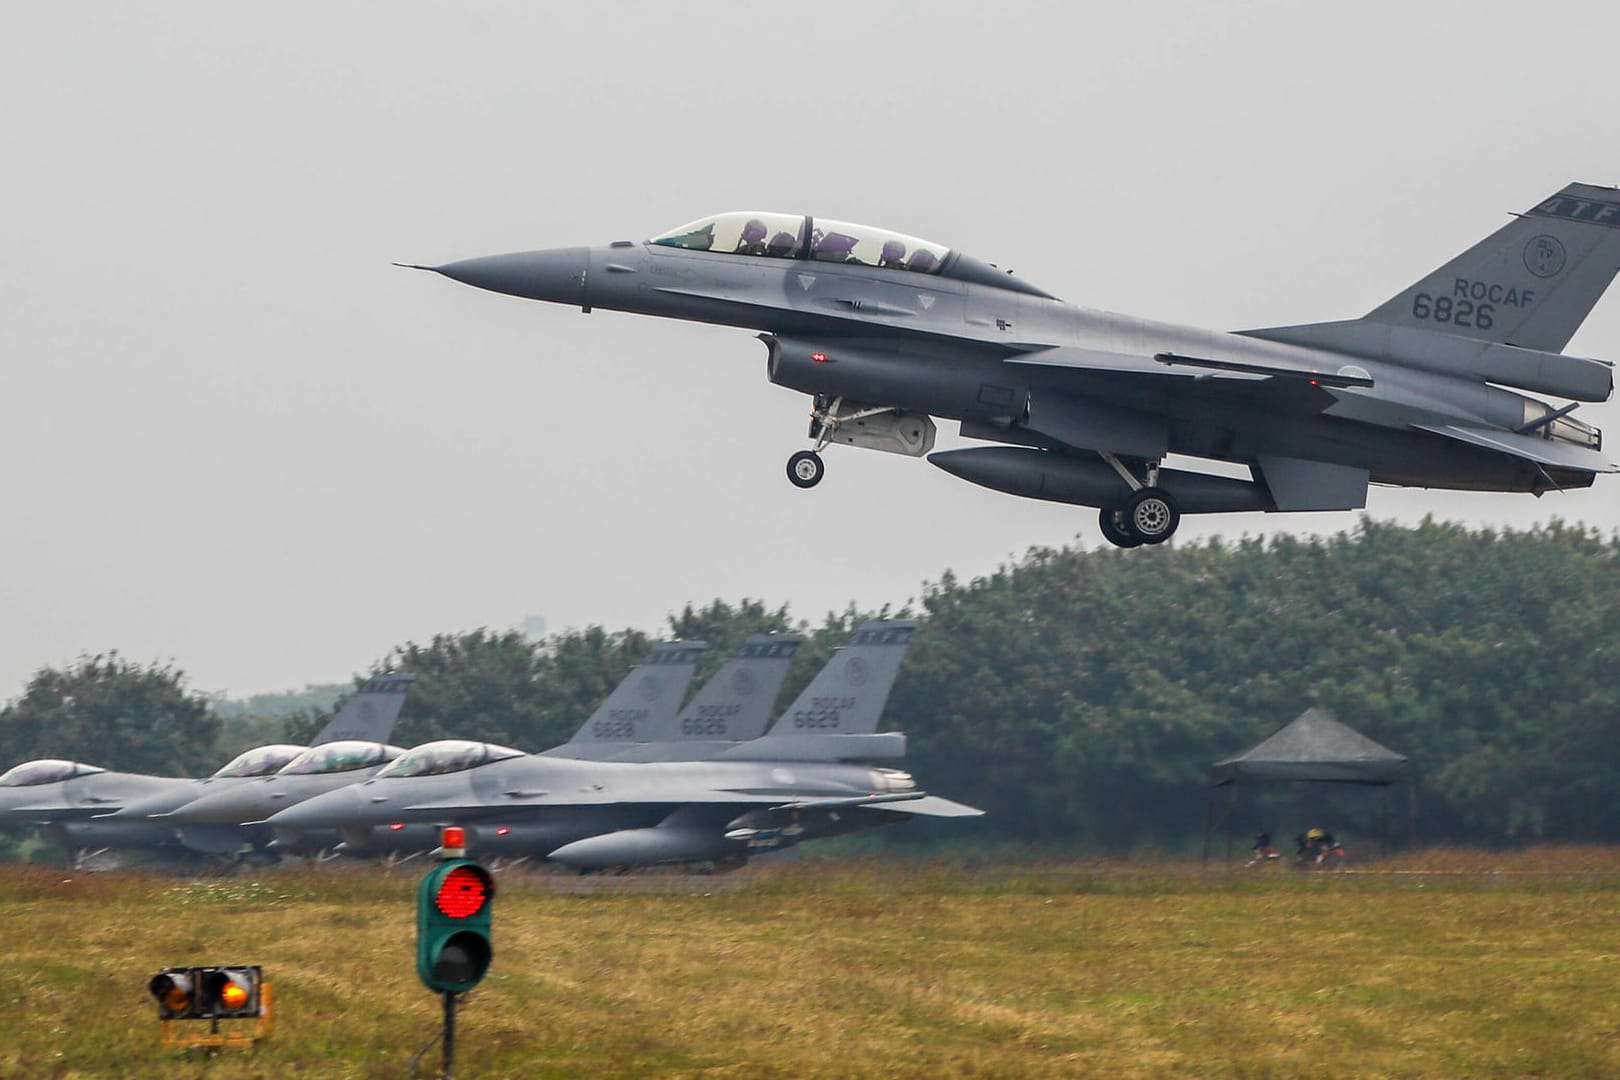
1114,530
1151,514
805,469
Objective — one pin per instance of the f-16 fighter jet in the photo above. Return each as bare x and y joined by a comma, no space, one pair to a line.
230,817
760,795
886,331
83,806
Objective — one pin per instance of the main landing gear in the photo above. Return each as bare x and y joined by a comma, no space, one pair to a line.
1148,516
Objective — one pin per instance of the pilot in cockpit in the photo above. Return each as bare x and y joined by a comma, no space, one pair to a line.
894,255
753,238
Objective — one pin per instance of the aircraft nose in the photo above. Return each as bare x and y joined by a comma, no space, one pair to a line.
558,275
320,812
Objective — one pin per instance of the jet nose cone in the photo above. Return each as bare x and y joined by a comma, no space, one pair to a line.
558,276
322,811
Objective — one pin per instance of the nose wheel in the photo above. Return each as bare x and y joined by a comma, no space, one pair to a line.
805,469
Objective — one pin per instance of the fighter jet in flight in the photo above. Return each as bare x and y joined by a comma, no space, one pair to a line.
885,332
767,793
91,809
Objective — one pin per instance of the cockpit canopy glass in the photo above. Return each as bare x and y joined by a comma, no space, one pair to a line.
45,771
260,761
446,756
743,232
793,236
345,755
839,241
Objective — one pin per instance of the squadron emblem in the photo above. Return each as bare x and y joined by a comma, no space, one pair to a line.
1544,256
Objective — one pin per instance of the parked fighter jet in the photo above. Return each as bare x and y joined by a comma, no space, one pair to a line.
886,331
83,806
747,797
598,814
642,702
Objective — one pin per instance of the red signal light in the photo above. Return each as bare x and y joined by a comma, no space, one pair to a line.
463,892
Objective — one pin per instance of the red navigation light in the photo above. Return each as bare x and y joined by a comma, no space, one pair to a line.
463,892
502,830
396,826
819,357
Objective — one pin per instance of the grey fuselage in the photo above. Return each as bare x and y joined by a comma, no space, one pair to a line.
947,345
533,805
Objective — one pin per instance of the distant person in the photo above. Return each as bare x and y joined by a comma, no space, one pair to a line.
1262,849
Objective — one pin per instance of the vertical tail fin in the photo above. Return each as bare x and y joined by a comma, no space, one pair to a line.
642,706
1530,284
736,703
847,696
369,713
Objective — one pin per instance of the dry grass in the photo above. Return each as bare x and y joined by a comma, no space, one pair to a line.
1455,964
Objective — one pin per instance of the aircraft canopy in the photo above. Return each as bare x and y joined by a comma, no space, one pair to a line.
260,761
45,771
794,236
345,755
446,756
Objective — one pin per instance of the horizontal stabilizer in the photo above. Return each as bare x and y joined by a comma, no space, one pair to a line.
1560,455
1450,354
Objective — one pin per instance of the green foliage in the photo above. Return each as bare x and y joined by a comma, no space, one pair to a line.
1085,693
113,713
498,686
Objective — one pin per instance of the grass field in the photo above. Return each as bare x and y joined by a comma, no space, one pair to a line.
1444,964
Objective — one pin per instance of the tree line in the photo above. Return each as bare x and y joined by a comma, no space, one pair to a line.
1080,696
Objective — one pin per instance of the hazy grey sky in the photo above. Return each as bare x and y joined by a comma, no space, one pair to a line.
233,437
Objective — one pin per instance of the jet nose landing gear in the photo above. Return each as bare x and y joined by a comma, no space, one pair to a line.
874,427
806,469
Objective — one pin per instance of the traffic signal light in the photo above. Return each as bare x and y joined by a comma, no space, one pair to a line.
174,989
208,993
453,949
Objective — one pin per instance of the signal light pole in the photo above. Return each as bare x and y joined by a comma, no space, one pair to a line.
453,948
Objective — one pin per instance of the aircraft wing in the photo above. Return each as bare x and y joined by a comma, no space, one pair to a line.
1177,365
1529,447
932,806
